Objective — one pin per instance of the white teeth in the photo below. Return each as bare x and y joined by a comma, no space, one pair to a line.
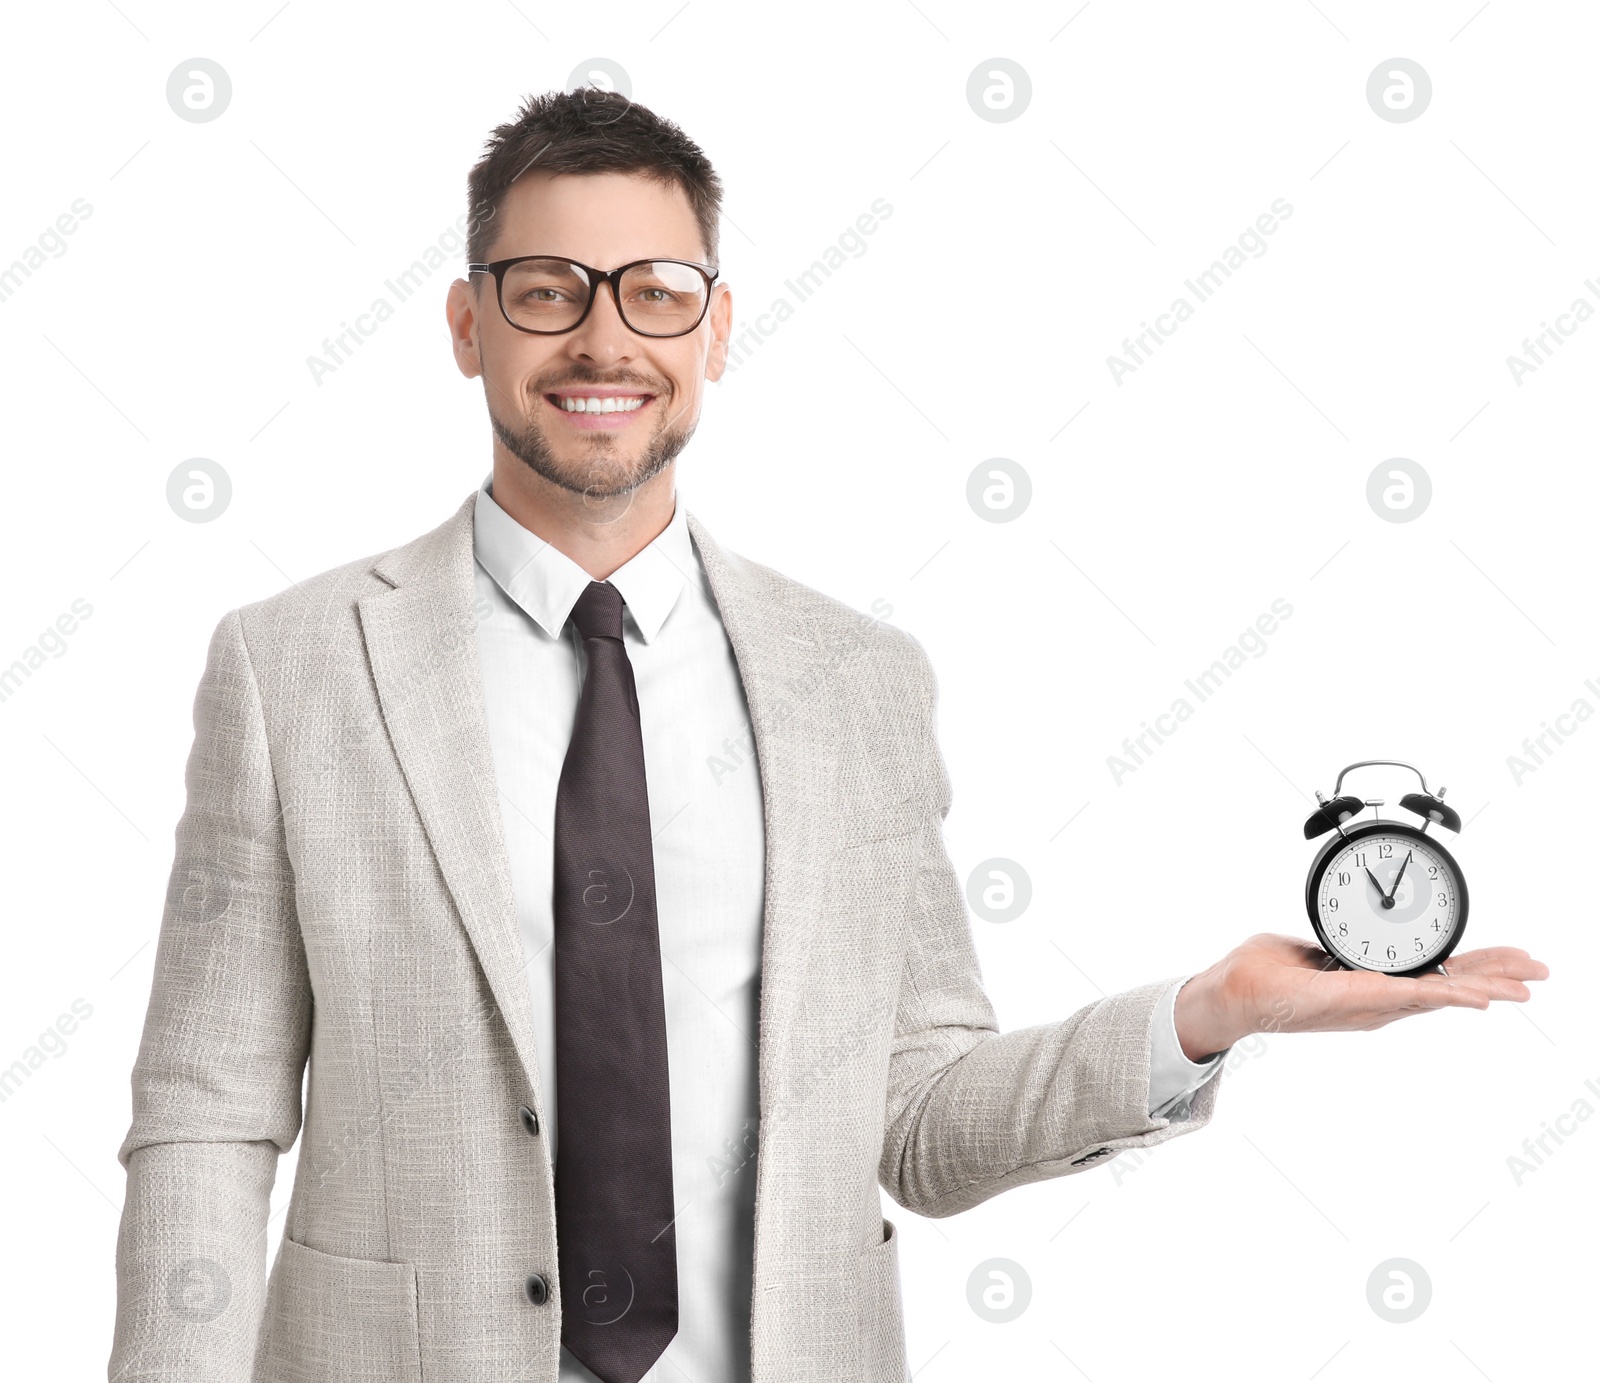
612,403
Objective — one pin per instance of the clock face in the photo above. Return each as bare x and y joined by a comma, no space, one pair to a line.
1389,900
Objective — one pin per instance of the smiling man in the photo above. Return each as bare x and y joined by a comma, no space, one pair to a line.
451,840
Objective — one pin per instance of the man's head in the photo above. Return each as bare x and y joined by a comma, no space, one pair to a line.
591,178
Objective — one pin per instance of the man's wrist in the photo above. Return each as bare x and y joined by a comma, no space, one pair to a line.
1201,1015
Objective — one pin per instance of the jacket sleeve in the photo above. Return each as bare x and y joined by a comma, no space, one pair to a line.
216,1086
971,1111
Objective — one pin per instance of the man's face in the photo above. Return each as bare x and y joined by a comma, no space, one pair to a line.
604,220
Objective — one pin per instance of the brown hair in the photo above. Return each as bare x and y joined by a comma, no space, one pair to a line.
589,131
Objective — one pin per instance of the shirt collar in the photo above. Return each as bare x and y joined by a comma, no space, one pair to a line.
545,583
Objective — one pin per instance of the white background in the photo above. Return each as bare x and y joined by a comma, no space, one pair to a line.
1168,512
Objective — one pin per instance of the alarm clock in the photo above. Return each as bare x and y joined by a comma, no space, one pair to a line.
1383,895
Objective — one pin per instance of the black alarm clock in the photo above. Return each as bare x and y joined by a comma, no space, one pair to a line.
1384,895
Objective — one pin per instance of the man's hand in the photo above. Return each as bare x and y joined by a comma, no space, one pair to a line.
1276,983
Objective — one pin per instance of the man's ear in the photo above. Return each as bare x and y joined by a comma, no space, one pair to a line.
721,314
461,312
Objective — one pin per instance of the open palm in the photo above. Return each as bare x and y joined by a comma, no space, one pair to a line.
1301,986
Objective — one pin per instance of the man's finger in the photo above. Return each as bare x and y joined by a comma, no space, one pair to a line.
1502,960
1472,990
1495,986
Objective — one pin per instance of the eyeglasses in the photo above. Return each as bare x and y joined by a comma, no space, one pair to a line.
548,295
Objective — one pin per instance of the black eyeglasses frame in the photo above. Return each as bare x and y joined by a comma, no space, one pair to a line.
596,277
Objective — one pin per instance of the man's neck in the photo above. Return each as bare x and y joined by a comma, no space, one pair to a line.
600,535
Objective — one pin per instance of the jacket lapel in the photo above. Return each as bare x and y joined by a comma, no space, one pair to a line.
422,645
779,652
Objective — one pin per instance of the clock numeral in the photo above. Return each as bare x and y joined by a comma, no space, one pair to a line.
1364,946
1333,904
1343,879
1433,871
1391,952
1444,900
1420,946
1344,927
1361,860
1385,850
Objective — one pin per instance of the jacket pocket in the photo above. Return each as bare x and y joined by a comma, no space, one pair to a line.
340,1320
882,1330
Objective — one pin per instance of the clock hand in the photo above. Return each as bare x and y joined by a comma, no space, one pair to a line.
1376,884
1398,874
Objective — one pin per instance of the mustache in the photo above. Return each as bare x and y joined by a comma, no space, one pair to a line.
627,379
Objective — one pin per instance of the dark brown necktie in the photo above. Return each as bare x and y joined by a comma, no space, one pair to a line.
617,1250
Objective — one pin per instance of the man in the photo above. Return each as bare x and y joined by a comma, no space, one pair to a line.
452,837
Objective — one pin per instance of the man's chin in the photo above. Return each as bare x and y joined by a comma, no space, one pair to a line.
600,479
595,467
596,477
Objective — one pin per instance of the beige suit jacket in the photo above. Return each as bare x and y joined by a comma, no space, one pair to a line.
341,896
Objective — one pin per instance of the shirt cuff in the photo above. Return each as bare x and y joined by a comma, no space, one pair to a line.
1173,1077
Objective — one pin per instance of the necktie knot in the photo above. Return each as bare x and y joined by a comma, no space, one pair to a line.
598,612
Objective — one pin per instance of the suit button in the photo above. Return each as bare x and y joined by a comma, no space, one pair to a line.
530,1120
537,1288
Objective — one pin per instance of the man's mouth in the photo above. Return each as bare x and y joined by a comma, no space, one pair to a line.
600,407
599,399
606,403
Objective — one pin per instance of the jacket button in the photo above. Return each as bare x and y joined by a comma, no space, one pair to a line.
537,1288
530,1120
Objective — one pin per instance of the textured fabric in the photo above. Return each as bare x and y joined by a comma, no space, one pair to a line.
614,1212
705,814
342,893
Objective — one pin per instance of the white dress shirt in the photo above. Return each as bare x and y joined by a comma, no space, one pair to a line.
709,847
